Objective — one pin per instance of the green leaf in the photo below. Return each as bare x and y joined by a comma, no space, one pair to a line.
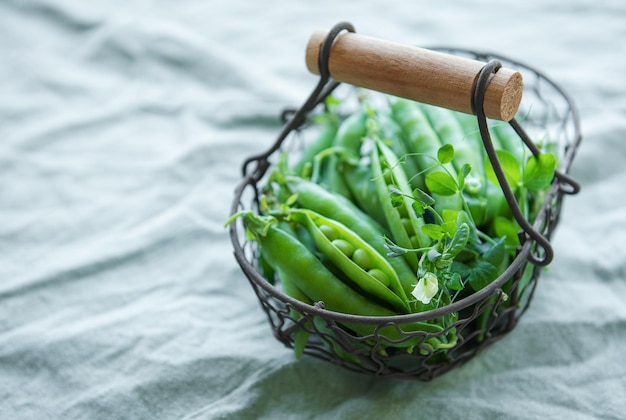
291,200
507,228
418,208
397,200
445,154
495,255
331,100
463,217
423,197
539,171
464,172
441,183
481,275
397,197
449,227
459,241
454,282
433,231
449,215
510,166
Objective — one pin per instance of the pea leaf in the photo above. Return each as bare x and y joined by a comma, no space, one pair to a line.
291,200
441,183
465,170
481,275
507,228
449,227
418,208
459,240
423,197
539,171
510,166
445,154
454,282
397,198
495,255
433,231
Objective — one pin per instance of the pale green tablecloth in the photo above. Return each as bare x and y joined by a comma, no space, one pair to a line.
123,125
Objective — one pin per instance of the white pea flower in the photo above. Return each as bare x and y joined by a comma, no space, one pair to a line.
426,288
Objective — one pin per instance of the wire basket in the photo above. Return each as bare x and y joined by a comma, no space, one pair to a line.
482,317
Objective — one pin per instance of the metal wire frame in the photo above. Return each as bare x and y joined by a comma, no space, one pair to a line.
480,318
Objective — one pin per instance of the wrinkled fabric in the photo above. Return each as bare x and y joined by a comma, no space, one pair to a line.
123,127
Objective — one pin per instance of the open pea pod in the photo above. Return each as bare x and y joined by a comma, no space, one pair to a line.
358,260
402,221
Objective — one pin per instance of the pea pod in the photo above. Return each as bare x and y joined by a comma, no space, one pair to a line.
311,277
314,197
392,134
422,141
346,142
359,179
328,123
402,221
358,260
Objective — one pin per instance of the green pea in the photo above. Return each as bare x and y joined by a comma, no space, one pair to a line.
344,246
329,232
379,275
362,259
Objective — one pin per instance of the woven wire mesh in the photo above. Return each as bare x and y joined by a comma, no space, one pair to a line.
395,347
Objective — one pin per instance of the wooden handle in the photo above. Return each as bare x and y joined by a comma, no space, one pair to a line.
419,74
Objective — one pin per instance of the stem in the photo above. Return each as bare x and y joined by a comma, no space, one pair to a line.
485,237
522,200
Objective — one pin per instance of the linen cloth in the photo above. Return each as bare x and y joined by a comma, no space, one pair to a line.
123,125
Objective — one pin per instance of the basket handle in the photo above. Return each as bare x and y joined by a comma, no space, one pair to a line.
415,73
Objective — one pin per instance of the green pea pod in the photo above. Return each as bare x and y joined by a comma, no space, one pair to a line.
314,197
358,260
311,277
293,260
422,141
347,142
402,221
392,135
360,181
328,124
